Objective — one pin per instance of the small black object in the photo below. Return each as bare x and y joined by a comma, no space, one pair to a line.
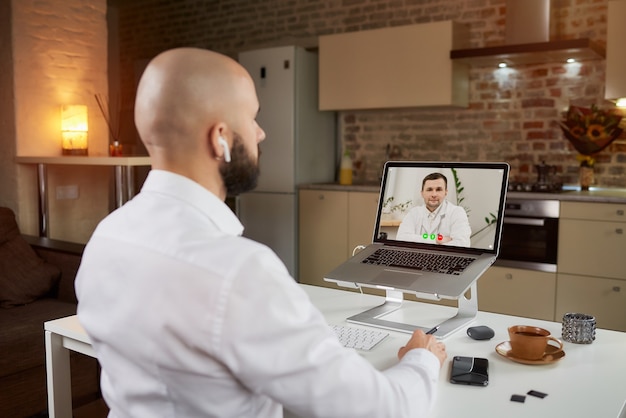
432,330
537,394
481,332
469,371
518,398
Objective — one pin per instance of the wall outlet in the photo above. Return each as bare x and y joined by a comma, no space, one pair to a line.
67,192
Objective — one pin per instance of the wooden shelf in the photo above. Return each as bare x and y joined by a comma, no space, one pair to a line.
128,161
390,222
532,53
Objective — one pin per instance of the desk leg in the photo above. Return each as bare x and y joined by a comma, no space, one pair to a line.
42,185
58,377
124,184
119,186
130,182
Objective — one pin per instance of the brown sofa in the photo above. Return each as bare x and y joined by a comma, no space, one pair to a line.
36,285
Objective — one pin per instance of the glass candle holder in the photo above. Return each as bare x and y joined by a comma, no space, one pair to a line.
579,328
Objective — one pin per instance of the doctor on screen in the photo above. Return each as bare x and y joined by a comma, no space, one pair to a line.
437,221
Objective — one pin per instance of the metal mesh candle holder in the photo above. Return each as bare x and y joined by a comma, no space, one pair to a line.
579,328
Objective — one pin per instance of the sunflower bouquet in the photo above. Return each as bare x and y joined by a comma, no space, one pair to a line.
590,130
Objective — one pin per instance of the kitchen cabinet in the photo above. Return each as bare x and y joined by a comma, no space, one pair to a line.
591,265
396,67
603,298
615,57
362,209
331,224
323,235
592,238
517,292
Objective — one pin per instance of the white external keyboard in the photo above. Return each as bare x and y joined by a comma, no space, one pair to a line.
358,338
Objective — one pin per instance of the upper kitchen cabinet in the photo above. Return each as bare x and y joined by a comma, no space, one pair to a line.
615,53
398,67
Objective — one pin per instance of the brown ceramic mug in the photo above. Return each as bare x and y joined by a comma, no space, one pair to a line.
530,343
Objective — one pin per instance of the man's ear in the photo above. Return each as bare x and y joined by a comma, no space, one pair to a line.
218,143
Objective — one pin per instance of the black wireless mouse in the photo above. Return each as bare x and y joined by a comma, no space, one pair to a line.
481,332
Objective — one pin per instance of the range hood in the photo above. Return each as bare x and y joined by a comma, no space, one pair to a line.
527,40
531,53
615,89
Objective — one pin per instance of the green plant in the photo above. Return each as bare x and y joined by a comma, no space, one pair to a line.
459,190
490,220
389,207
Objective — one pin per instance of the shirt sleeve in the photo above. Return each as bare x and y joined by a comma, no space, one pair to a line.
278,344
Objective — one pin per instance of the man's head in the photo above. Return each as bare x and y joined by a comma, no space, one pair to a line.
187,100
434,190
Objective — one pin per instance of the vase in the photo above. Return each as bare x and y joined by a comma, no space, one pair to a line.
586,177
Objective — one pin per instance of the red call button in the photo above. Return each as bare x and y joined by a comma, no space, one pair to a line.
439,237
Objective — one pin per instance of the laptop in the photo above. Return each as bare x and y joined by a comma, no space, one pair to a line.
437,254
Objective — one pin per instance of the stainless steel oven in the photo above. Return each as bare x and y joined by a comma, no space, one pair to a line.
530,234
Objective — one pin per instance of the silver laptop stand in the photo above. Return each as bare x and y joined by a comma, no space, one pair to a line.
466,312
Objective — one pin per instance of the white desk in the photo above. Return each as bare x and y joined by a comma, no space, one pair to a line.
587,382
61,336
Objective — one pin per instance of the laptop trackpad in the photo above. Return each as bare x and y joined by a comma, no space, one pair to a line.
396,278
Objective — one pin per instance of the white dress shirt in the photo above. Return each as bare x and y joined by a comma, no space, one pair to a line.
190,319
448,220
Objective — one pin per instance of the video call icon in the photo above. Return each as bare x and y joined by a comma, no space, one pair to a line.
438,237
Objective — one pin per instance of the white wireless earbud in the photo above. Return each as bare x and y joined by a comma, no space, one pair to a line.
224,145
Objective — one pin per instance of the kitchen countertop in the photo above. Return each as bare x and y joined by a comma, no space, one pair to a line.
569,193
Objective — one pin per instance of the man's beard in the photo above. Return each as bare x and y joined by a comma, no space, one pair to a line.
433,206
242,173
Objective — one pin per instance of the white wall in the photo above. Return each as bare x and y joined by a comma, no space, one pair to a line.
59,57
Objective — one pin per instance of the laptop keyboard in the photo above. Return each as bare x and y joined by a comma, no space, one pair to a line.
437,263
358,338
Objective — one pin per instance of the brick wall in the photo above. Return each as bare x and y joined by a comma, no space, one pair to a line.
513,112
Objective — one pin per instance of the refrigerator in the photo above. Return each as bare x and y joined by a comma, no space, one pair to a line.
300,146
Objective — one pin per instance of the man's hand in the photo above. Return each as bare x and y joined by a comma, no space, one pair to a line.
420,340
442,240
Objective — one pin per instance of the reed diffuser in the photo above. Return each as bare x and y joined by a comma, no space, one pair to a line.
115,148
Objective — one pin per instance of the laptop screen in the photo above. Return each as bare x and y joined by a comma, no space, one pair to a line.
445,204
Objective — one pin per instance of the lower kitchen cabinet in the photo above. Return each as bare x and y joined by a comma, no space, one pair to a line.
362,209
517,292
332,223
603,298
592,247
323,234
591,262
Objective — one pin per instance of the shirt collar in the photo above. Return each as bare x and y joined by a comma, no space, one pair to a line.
193,194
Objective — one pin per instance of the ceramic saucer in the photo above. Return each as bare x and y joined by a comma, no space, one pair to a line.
553,354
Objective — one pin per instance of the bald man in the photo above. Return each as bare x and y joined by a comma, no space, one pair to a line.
190,319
